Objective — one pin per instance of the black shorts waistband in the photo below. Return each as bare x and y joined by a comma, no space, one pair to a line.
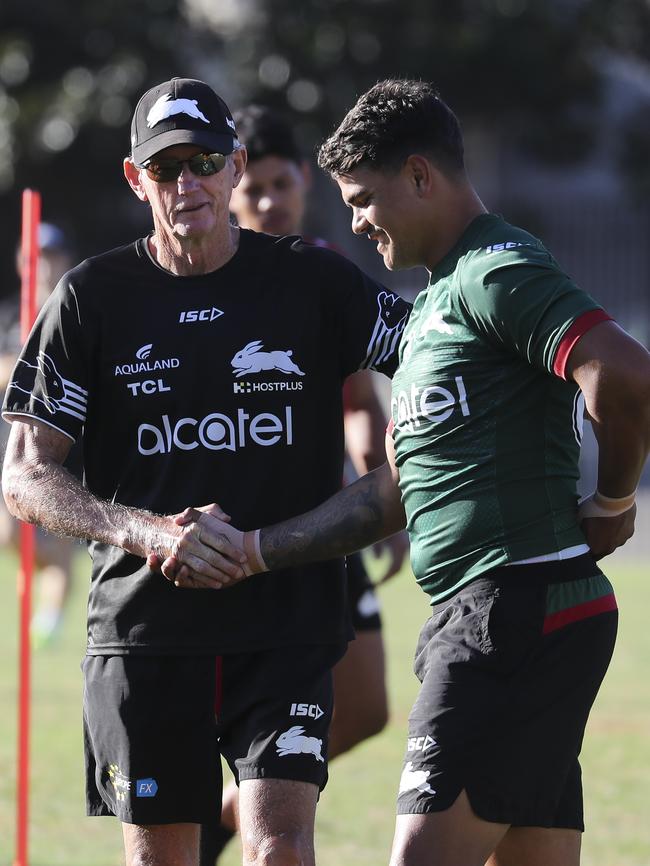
555,571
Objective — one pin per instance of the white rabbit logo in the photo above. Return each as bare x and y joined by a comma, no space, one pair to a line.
414,780
43,382
165,107
251,359
294,742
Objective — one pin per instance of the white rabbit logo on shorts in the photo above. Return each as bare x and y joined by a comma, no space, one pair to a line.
251,359
414,780
294,742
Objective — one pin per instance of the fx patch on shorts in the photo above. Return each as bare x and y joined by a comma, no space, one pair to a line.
149,736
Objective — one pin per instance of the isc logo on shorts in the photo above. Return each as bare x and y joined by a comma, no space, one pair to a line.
416,744
311,710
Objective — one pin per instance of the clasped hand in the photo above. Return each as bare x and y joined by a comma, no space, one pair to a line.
208,554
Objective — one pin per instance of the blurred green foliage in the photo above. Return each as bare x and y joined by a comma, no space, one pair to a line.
71,72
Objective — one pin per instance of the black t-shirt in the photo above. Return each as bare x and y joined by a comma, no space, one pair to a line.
220,387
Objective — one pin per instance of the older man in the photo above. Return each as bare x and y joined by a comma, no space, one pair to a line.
199,358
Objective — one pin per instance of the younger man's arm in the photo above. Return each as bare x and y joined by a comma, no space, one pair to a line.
613,373
355,517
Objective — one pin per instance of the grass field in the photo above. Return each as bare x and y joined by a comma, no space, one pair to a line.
355,820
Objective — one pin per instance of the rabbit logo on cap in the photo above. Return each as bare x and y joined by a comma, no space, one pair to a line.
166,107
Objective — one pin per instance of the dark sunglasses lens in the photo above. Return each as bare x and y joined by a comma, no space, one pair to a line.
164,171
207,163
202,165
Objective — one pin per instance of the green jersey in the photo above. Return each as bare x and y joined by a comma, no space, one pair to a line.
487,434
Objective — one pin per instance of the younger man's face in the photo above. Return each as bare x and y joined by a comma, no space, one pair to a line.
271,196
385,208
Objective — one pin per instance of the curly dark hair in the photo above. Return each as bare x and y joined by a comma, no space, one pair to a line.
393,119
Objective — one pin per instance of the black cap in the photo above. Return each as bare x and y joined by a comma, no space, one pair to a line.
181,111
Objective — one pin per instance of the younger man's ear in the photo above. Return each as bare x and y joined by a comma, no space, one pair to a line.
420,173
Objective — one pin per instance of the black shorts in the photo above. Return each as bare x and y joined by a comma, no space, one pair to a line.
510,667
363,603
155,728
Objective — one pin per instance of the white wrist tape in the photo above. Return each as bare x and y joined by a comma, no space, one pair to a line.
249,542
253,551
599,505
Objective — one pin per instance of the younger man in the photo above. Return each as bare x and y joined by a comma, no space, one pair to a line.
499,358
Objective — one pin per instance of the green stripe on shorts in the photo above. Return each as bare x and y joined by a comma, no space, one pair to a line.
560,596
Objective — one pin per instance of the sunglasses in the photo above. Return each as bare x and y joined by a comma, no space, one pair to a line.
201,165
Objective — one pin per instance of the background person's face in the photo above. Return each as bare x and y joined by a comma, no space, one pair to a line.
271,196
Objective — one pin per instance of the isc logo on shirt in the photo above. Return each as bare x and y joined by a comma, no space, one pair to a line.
209,315
435,403
506,245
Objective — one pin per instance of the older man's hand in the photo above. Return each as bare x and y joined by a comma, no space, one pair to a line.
210,553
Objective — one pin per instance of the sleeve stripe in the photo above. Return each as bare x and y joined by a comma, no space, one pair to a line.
9,416
373,346
578,329
390,428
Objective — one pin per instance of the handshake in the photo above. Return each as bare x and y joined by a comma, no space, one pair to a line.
209,553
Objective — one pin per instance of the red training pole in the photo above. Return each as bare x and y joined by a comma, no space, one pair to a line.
31,218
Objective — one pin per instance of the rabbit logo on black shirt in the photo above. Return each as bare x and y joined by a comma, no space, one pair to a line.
43,382
251,359
393,311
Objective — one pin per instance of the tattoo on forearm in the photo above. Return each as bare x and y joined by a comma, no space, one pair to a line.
347,522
